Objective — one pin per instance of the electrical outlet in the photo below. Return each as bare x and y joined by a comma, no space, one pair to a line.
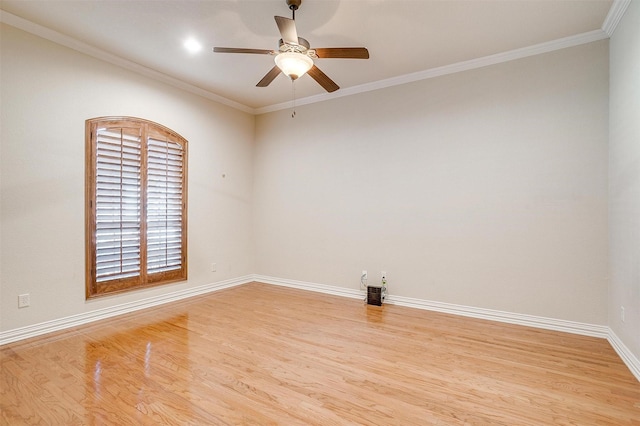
24,300
364,275
214,267
383,275
622,313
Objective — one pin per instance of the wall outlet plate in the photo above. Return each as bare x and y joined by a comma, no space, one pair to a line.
24,300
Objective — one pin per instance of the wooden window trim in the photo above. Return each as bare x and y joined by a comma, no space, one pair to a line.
147,129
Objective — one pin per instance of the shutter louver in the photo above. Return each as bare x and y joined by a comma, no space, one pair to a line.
118,175
164,205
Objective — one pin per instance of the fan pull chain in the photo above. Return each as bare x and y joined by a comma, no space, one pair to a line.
293,95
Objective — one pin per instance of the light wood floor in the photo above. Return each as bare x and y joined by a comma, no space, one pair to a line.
259,354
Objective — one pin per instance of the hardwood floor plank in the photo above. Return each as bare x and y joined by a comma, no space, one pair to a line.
261,355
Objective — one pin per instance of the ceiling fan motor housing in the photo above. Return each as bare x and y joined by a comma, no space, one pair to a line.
302,46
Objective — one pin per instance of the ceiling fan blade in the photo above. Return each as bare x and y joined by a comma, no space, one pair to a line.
343,52
236,50
269,77
287,28
322,79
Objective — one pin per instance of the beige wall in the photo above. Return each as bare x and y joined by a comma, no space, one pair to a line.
624,189
47,93
485,188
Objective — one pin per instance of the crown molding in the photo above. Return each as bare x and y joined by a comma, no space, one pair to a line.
72,43
497,58
615,13
618,8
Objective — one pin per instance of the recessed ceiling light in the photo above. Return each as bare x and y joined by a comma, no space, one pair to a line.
192,45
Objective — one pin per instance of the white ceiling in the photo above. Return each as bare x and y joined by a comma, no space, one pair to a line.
404,37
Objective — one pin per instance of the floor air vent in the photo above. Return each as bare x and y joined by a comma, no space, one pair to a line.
374,295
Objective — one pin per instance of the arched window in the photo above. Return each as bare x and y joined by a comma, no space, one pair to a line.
136,205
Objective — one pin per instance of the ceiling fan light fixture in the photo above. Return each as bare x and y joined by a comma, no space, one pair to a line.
293,64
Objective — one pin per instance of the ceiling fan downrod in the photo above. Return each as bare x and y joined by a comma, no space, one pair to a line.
293,5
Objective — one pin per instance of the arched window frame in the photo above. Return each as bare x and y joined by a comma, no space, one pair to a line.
136,205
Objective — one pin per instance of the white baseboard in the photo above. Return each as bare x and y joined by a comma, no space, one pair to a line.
98,314
601,331
627,356
585,329
303,285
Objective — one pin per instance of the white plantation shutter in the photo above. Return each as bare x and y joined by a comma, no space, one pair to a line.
136,205
164,205
118,203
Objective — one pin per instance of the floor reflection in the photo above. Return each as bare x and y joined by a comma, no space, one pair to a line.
133,367
375,314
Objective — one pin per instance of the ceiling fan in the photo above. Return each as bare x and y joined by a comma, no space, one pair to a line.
294,56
